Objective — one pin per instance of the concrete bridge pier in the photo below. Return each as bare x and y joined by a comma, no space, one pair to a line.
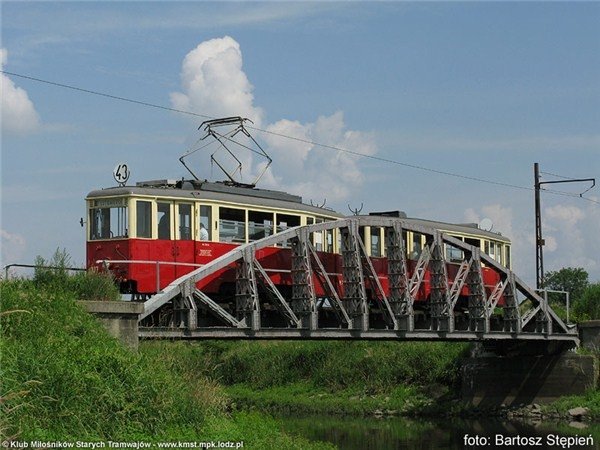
526,373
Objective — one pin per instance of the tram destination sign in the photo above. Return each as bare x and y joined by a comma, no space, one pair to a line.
110,202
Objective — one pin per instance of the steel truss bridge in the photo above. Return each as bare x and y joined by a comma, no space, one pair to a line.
523,315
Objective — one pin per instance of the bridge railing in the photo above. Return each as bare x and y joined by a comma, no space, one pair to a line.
106,262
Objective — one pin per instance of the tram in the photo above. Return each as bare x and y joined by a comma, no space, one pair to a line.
153,232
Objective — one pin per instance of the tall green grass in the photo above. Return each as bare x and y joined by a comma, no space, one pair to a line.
343,377
376,366
63,377
53,274
74,379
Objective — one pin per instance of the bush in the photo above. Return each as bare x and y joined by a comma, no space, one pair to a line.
54,274
62,377
588,306
93,285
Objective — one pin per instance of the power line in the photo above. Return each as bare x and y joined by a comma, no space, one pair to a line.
306,141
103,94
557,176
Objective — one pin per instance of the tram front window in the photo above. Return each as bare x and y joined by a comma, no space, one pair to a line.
163,217
143,219
108,222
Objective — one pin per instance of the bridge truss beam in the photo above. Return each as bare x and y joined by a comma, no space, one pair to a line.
458,306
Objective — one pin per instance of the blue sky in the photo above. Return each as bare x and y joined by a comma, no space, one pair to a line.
480,89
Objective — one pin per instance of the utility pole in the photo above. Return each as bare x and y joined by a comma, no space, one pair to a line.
539,241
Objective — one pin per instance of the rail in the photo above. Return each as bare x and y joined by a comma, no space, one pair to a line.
552,291
106,262
37,266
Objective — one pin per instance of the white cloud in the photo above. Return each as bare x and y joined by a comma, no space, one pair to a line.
318,173
522,238
575,230
215,84
569,231
501,217
568,214
18,113
13,247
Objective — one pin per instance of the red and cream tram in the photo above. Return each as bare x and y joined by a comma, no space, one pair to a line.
157,231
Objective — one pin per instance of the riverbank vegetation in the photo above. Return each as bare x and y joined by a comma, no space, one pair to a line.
64,378
358,378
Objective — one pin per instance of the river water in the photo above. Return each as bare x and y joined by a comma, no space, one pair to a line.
371,433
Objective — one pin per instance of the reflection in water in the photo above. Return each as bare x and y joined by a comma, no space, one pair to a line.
370,433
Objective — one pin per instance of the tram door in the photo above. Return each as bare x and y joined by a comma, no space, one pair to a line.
175,242
164,249
185,244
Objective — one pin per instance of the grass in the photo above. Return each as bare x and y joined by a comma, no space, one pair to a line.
64,378
328,377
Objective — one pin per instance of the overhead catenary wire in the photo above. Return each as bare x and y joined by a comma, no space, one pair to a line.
297,139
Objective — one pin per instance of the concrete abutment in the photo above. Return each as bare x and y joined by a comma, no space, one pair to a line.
119,318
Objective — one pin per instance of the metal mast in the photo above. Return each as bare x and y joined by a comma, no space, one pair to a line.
539,241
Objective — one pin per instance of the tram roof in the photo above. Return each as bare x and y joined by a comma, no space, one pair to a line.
212,191
249,196
462,228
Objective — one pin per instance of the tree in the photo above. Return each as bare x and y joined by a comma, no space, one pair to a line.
571,279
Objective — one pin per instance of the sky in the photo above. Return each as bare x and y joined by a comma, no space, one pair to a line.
482,90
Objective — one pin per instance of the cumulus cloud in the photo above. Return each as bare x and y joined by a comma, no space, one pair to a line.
569,215
318,173
569,233
574,229
18,113
522,237
215,84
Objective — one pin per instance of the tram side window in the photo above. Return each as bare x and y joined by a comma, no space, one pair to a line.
205,223
185,221
163,218
232,225
474,242
143,212
285,221
375,242
108,223
417,247
454,254
260,225
318,237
